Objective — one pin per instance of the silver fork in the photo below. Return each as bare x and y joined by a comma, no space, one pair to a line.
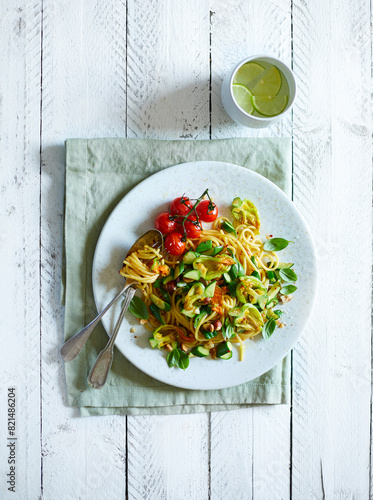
100,370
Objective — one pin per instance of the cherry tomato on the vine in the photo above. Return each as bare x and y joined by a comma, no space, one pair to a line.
164,224
181,206
207,211
173,244
192,228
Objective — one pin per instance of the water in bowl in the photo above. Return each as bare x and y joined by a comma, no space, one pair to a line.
260,89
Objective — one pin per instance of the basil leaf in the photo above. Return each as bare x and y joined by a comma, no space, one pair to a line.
205,245
173,358
276,244
240,269
183,360
233,272
217,250
228,331
278,312
206,309
155,311
138,308
232,288
288,274
287,290
165,295
228,227
268,329
157,283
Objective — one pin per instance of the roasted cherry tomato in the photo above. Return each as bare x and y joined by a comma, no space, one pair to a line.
192,228
181,206
207,211
164,224
173,244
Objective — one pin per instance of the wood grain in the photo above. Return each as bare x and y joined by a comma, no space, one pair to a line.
254,442
239,30
20,39
71,69
168,73
168,98
84,53
332,188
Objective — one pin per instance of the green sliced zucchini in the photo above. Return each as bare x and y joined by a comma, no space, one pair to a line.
189,257
199,318
262,301
210,290
224,350
179,270
167,279
271,275
274,291
211,335
214,250
190,313
194,274
284,265
200,351
162,304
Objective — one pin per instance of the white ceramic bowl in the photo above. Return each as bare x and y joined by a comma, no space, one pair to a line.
239,115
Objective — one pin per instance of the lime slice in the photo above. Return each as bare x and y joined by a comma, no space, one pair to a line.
270,106
243,98
268,84
247,73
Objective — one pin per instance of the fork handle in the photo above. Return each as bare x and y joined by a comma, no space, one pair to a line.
73,346
100,370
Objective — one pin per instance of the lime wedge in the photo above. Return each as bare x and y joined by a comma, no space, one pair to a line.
268,84
243,97
270,106
247,73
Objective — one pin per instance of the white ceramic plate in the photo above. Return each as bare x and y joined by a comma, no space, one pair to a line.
136,213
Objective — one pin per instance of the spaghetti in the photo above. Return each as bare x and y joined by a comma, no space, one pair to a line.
221,290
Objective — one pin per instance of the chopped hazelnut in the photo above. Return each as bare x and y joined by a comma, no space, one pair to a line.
209,345
168,347
209,327
217,325
283,299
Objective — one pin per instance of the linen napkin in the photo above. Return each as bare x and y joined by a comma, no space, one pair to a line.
99,173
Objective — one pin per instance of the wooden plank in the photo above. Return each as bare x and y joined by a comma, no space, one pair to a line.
168,69
332,188
168,98
84,53
20,36
248,447
240,30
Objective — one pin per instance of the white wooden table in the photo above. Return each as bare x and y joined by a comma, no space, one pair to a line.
153,68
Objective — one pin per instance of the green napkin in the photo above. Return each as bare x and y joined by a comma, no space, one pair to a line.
99,173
